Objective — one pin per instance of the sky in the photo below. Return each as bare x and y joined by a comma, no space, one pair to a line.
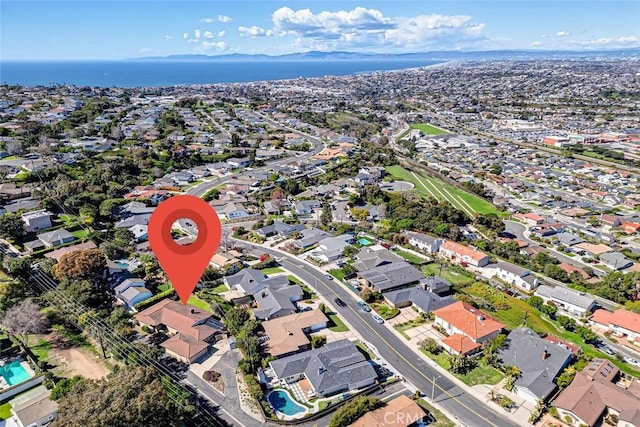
118,29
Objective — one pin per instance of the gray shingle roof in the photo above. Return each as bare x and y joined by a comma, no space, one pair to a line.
336,365
392,275
524,349
425,300
578,299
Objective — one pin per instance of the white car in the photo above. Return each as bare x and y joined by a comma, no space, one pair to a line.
632,361
377,318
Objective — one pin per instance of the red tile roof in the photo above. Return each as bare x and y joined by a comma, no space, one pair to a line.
471,321
460,344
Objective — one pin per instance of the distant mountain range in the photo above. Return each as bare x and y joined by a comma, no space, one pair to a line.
428,56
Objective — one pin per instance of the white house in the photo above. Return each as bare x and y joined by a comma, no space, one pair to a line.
621,323
424,242
36,220
512,274
577,303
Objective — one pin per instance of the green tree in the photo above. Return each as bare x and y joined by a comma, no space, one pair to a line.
354,409
236,319
64,386
11,226
619,287
359,214
349,251
430,345
132,396
83,264
326,216
318,341
535,301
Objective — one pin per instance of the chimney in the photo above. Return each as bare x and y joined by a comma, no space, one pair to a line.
193,311
480,317
264,294
320,371
545,354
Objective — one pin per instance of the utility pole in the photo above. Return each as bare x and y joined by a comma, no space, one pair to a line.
433,386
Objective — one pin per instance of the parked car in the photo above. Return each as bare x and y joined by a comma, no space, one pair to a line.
339,302
605,348
363,306
377,318
632,361
328,277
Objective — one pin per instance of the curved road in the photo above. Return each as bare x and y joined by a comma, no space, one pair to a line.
468,410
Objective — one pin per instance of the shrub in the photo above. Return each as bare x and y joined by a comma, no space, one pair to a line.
154,299
353,410
211,376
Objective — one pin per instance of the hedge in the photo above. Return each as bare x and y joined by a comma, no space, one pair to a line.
154,299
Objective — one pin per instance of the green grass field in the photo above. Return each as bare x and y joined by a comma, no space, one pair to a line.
454,277
411,258
481,374
272,270
220,288
432,187
197,302
336,324
428,129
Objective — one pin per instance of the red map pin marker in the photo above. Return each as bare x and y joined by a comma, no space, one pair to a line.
184,264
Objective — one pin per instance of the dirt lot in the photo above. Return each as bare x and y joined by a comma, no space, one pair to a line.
70,361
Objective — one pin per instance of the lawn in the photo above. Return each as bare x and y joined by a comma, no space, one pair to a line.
410,257
41,350
365,351
164,287
5,411
385,312
454,277
80,234
337,273
481,374
197,302
428,129
272,270
336,324
220,288
294,279
440,419
432,187
68,219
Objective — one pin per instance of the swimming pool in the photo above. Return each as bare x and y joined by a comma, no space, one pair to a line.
364,242
14,373
282,402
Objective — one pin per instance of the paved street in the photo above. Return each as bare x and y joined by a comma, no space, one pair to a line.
466,408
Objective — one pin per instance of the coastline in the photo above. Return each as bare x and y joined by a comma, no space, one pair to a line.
131,74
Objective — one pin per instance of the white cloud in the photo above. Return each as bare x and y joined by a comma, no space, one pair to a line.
224,18
185,35
207,35
536,44
608,42
221,33
169,37
207,20
196,34
219,46
371,29
144,50
254,32
562,33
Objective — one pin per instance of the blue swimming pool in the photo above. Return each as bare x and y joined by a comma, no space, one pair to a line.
364,242
282,402
14,373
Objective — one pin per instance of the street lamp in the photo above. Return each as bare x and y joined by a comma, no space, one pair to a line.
433,386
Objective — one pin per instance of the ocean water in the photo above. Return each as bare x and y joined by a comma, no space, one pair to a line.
171,73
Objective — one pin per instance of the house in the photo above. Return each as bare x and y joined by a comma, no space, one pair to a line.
334,368
621,323
610,221
235,162
530,218
568,239
424,300
281,229
307,207
513,275
132,291
593,250
309,237
593,396
539,361
466,326
134,208
574,302
194,328
463,255
436,284
59,253
615,260
570,269
630,227
55,238
331,248
220,260
388,277
249,281
140,232
374,256
234,211
288,334
424,242
276,302
36,220
34,409
401,411
271,209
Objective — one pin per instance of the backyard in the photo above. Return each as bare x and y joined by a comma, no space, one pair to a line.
409,257
453,276
481,374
